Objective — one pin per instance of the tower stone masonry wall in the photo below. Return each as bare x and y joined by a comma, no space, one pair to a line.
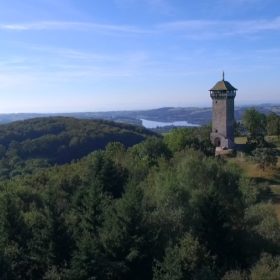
223,94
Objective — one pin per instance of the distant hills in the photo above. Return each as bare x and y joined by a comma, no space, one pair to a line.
195,115
32,144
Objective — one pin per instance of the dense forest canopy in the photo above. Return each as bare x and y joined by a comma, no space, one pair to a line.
28,145
162,209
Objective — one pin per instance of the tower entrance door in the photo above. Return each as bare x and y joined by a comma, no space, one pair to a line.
217,142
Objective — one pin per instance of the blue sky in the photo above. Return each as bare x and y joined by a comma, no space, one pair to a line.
96,55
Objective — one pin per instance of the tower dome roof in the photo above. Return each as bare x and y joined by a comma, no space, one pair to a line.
223,85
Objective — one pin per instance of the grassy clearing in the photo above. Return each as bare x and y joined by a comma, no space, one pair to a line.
240,140
271,139
270,177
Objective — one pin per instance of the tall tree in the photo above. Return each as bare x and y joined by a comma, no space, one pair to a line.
187,260
273,124
255,123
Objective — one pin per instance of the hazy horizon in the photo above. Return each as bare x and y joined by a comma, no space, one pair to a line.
89,56
209,106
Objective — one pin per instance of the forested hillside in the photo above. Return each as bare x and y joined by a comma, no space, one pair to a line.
28,145
163,209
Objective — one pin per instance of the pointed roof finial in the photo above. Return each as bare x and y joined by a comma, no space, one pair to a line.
223,75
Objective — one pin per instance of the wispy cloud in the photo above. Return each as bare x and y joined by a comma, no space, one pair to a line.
55,65
69,25
221,27
191,28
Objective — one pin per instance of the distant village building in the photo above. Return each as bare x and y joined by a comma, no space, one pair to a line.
223,94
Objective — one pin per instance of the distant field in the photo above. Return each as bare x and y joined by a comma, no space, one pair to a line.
271,139
240,140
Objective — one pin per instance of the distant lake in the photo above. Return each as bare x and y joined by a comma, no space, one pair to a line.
155,124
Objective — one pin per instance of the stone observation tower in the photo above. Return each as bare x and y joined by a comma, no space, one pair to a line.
223,94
